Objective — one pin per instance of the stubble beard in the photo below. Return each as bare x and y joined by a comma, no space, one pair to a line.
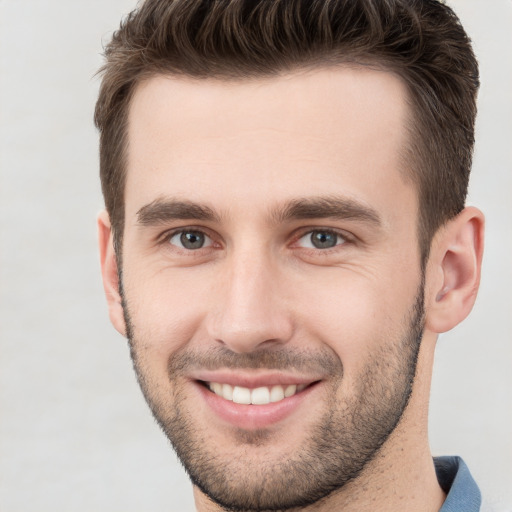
337,448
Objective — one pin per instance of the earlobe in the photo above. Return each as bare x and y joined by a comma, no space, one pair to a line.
109,273
453,272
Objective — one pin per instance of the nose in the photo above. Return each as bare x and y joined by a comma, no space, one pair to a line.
251,309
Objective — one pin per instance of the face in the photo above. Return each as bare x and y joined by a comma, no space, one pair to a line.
271,281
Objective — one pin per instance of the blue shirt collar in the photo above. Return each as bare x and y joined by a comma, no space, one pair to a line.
456,481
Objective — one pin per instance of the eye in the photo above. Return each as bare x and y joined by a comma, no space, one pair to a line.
321,239
190,240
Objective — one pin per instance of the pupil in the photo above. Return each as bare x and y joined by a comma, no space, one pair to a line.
323,239
192,239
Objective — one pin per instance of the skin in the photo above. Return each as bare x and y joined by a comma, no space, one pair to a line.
246,151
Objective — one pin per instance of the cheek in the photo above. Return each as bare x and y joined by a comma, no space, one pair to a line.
166,311
355,314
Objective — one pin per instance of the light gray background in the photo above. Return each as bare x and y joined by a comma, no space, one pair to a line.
75,434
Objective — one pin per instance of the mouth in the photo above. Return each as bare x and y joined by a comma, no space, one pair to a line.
254,400
262,395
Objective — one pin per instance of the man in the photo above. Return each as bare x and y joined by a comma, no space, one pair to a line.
285,237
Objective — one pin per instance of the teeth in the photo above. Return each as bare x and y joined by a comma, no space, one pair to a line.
276,393
257,396
290,390
227,392
216,388
241,395
260,396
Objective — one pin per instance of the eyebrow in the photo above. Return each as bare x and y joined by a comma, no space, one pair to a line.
161,211
332,207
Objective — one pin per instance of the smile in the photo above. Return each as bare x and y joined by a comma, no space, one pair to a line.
250,401
258,396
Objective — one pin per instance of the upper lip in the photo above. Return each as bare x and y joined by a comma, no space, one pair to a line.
252,379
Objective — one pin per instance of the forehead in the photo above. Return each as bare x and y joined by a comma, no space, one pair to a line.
236,143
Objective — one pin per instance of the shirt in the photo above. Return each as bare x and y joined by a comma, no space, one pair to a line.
462,493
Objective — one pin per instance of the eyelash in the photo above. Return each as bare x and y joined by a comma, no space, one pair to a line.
169,235
346,238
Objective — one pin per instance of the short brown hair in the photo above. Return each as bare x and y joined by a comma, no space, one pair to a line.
422,41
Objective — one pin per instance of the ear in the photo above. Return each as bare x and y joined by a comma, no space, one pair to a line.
453,271
109,272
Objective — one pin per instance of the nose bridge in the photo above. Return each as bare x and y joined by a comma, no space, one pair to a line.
251,311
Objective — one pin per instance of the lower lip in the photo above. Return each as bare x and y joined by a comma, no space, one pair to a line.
253,417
